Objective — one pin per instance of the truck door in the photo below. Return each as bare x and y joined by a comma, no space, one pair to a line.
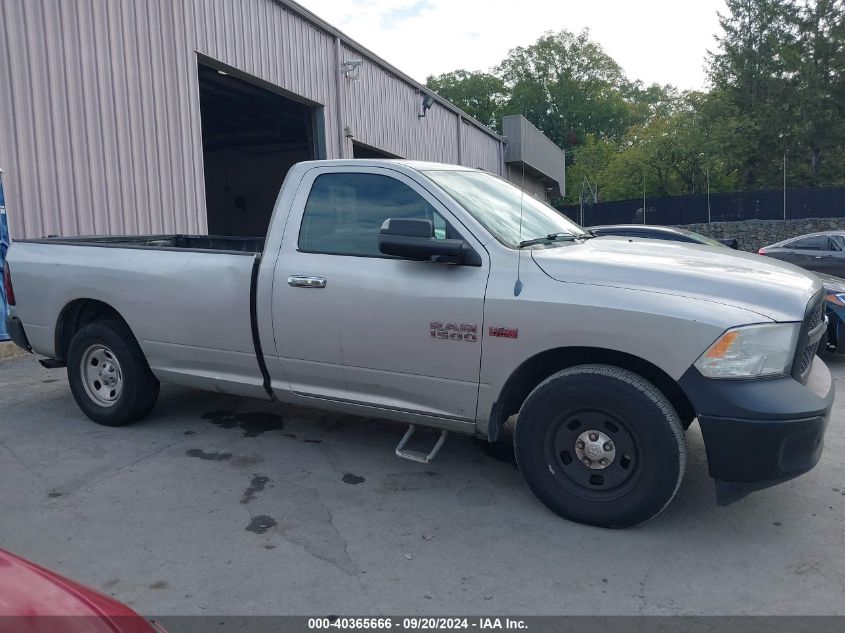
355,325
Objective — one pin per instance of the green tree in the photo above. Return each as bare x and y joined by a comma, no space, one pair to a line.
820,122
567,86
753,76
652,101
587,163
671,155
479,94
776,88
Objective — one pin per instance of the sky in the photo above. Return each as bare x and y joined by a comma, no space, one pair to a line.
656,41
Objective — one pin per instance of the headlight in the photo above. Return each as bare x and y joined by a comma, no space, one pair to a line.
751,351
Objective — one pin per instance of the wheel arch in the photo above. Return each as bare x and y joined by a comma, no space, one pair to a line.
77,314
536,369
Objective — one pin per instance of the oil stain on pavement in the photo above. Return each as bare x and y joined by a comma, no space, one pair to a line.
256,485
251,424
260,524
349,478
212,457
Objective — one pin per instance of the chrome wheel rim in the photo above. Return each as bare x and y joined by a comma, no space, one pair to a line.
595,449
101,374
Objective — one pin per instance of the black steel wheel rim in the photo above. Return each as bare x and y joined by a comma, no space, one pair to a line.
600,482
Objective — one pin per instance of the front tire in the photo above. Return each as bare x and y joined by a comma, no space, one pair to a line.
109,375
600,445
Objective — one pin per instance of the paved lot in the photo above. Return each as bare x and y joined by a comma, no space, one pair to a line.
220,505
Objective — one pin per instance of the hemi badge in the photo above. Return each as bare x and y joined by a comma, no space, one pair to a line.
503,332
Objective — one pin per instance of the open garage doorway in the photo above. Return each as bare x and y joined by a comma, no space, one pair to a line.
359,150
251,136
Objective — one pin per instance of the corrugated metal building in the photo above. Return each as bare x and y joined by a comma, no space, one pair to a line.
183,116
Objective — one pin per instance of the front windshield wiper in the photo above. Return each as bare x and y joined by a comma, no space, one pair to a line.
556,237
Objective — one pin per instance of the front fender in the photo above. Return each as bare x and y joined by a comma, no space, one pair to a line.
667,331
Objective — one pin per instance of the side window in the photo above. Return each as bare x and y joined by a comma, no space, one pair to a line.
837,243
344,213
440,227
813,243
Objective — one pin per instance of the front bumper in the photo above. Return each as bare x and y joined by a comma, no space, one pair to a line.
14,327
762,432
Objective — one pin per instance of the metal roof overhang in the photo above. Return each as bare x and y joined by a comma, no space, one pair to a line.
528,148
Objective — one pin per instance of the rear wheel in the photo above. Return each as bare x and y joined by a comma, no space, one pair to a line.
600,445
108,374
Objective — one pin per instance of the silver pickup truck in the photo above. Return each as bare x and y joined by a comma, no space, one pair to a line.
442,296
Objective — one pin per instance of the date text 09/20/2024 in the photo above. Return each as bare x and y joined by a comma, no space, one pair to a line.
417,623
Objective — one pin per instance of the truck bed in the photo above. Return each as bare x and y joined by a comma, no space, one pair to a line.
196,243
189,300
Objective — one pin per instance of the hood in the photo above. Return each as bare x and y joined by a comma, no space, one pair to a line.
763,285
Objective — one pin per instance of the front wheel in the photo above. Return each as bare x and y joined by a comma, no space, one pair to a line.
600,445
108,374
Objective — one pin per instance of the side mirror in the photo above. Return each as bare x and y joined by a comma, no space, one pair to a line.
414,239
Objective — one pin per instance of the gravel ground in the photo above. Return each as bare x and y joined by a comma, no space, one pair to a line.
10,350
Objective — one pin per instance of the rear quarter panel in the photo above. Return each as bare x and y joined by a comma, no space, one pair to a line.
188,310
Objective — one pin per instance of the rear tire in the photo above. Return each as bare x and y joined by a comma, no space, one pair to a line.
109,375
600,445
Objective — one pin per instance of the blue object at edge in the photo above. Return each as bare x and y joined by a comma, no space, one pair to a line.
4,246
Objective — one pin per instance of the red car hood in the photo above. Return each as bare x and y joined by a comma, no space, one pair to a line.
29,594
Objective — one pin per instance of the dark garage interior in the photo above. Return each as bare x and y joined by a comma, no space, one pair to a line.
251,137
359,150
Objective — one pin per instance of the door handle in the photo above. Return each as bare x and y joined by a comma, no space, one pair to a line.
302,281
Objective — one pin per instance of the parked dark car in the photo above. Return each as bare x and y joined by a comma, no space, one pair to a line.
668,233
824,254
819,252
834,290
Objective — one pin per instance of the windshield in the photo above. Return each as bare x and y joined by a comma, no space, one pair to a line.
702,238
495,204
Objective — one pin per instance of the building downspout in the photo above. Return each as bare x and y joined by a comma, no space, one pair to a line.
460,140
341,137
